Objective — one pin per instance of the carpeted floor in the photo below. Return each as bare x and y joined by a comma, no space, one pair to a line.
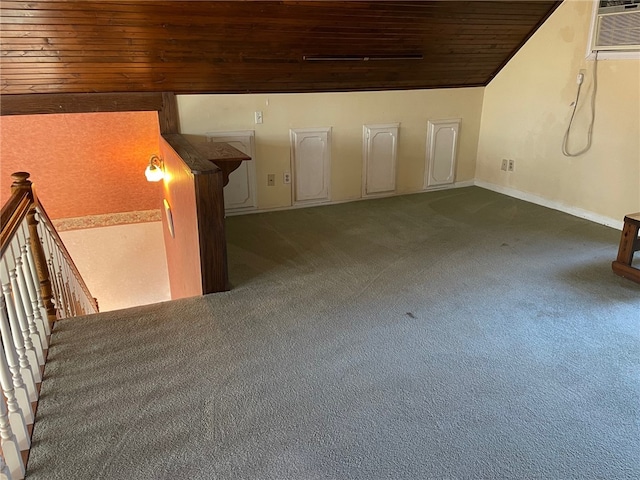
459,334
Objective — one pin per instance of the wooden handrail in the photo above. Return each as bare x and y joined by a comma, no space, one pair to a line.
15,210
24,205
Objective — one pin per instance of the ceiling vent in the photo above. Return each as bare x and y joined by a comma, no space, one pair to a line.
617,26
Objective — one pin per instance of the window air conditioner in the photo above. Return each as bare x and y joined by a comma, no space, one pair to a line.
617,25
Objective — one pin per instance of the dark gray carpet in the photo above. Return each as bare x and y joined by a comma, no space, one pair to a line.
449,335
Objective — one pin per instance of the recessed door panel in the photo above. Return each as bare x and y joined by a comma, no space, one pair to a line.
311,154
380,145
442,146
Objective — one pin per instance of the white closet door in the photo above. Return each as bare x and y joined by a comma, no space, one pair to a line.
311,155
380,153
240,192
442,147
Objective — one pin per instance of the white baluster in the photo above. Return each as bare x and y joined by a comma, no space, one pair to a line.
32,283
10,447
16,419
25,368
65,281
36,281
32,330
34,295
55,288
64,293
56,275
24,327
5,474
19,387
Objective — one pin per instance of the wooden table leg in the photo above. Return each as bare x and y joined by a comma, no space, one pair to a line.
629,244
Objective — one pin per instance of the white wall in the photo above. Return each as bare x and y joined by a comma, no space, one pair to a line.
521,115
526,111
346,113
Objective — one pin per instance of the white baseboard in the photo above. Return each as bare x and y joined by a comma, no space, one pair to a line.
466,183
531,198
511,192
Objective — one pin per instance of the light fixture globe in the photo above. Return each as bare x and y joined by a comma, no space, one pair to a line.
155,170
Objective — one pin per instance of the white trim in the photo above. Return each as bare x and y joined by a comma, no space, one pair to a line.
430,146
531,198
605,54
311,130
466,183
293,132
365,158
382,125
602,55
511,192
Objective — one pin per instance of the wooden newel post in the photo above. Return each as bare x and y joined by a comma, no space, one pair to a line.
21,182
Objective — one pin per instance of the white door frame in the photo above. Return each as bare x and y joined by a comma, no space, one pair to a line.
293,132
432,130
365,160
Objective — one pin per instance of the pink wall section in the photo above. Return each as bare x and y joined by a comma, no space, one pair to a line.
83,164
183,250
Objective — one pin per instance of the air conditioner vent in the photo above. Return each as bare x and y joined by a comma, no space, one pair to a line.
618,31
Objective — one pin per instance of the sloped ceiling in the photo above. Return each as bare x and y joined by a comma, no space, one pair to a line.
287,46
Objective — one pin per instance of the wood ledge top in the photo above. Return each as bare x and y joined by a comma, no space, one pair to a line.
218,151
204,157
196,162
634,217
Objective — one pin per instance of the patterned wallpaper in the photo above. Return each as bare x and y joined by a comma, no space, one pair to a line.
83,164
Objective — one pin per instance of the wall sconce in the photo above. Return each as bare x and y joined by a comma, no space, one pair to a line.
155,170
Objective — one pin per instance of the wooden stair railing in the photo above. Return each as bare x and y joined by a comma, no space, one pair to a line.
40,284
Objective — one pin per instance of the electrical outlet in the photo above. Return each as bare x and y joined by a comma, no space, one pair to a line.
580,76
286,178
512,165
505,163
271,180
258,117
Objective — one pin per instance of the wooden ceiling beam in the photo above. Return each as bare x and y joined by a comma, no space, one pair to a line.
32,104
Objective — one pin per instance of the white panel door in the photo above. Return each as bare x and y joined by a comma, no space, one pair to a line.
311,159
380,153
442,147
240,192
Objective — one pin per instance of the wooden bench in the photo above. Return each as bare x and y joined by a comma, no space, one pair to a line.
629,244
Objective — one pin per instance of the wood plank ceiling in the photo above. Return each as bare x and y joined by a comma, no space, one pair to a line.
287,46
